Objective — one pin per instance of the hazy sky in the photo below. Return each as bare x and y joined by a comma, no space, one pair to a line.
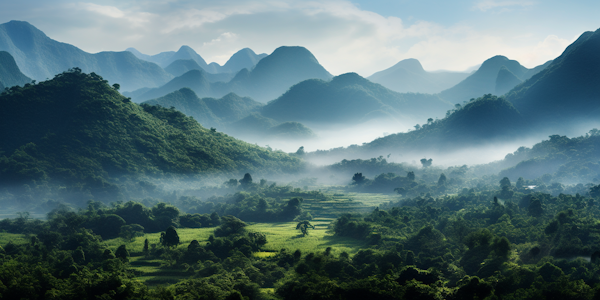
345,36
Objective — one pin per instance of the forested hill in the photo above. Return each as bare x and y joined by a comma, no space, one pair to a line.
76,127
568,89
10,74
210,112
482,120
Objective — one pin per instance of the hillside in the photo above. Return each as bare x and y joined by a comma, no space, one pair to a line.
270,78
257,127
10,74
568,90
349,98
496,75
408,76
233,115
209,112
40,57
558,159
78,130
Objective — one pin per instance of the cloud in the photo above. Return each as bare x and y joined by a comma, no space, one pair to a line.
341,35
487,5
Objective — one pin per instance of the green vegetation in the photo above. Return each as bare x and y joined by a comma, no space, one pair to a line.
81,133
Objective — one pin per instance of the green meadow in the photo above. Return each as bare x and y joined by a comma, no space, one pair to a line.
282,235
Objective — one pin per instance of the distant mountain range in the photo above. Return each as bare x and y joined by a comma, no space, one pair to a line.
496,75
561,94
10,75
243,59
350,98
232,114
270,78
40,57
408,76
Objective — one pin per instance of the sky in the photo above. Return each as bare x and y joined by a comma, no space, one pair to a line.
345,36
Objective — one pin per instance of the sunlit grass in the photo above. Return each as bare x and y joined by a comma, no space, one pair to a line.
18,239
285,236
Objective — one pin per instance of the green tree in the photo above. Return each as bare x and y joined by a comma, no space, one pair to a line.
246,181
146,250
442,180
169,238
303,227
358,179
505,182
122,252
426,162
535,208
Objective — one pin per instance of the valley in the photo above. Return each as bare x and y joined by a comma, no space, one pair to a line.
132,176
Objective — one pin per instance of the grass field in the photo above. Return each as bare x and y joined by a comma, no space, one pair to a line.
284,235
279,236
18,239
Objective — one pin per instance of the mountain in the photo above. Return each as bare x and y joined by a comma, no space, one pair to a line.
276,73
408,76
568,89
243,59
78,131
256,126
10,75
270,78
492,77
350,98
40,57
231,114
482,121
196,80
505,81
182,66
209,112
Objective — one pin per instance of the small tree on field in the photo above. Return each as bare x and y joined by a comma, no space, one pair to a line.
303,226
169,238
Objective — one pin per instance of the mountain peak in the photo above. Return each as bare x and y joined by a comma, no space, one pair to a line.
410,64
293,52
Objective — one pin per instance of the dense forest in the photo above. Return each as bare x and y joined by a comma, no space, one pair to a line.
498,240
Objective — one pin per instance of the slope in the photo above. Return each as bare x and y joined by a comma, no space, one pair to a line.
10,74
408,76
209,112
274,74
568,89
40,57
76,129
483,81
349,98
